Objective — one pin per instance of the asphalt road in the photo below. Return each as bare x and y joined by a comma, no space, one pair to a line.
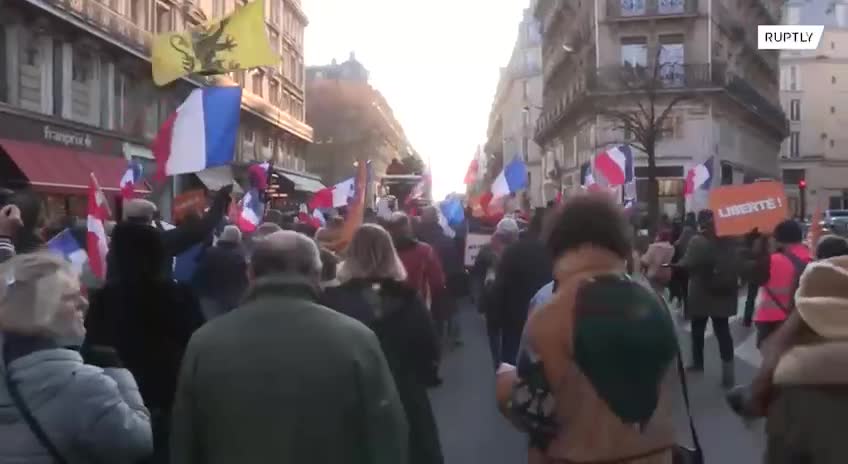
472,430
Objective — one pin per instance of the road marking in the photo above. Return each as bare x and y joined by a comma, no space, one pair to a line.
747,351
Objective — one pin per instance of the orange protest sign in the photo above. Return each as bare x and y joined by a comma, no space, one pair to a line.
188,202
740,208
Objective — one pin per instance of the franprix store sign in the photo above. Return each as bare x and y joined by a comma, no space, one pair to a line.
57,134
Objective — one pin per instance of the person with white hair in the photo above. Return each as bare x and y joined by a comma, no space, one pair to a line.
282,378
483,271
53,406
373,291
220,279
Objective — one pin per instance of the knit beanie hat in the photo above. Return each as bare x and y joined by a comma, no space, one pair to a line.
822,297
507,226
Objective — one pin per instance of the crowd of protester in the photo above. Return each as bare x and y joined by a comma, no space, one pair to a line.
206,345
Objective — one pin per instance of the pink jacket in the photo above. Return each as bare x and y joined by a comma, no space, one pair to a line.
781,283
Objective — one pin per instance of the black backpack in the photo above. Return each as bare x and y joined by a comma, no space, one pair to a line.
723,277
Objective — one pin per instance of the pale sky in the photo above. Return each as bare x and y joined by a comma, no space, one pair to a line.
435,61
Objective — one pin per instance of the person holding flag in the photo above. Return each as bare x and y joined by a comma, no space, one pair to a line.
97,245
10,223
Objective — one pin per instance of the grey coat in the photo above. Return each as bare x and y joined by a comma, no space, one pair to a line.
699,260
90,414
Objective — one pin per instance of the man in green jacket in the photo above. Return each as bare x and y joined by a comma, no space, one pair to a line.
283,379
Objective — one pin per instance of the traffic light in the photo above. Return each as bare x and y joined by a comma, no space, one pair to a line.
802,197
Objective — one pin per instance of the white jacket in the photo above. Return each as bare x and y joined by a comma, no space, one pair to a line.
91,415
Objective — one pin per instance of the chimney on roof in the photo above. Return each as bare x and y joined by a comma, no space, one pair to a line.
352,56
334,63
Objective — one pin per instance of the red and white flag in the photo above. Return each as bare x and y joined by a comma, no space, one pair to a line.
129,180
97,245
473,169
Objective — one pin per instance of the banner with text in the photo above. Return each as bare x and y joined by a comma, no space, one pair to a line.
740,208
473,244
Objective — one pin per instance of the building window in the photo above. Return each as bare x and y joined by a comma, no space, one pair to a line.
634,52
82,66
794,144
274,92
256,83
671,6
833,79
726,174
672,127
164,18
793,176
793,14
58,72
120,101
671,60
832,143
794,82
632,7
105,89
795,109
275,11
292,70
832,110
274,38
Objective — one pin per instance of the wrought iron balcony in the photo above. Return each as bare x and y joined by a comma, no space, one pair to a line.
634,9
102,17
666,78
669,79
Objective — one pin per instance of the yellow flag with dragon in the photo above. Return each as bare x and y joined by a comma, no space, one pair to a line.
237,41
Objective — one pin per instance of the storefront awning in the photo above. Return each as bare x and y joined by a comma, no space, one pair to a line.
217,178
302,183
62,170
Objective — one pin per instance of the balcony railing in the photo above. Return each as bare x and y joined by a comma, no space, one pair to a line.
629,80
668,77
626,9
117,25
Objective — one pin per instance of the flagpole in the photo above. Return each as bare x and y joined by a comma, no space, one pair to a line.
98,189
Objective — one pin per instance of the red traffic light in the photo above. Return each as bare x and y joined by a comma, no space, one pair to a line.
802,184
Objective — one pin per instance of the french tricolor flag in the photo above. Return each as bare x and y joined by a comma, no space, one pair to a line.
129,180
97,245
699,176
201,134
587,178
250,212
616,165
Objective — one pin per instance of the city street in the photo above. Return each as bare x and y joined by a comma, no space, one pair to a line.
473,431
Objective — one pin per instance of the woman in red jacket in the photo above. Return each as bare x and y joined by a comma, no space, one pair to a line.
423,269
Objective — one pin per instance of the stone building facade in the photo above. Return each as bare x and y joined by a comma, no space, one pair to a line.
82,68
517,105
814,93
705,50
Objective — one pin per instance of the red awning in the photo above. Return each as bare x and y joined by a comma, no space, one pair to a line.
64,170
